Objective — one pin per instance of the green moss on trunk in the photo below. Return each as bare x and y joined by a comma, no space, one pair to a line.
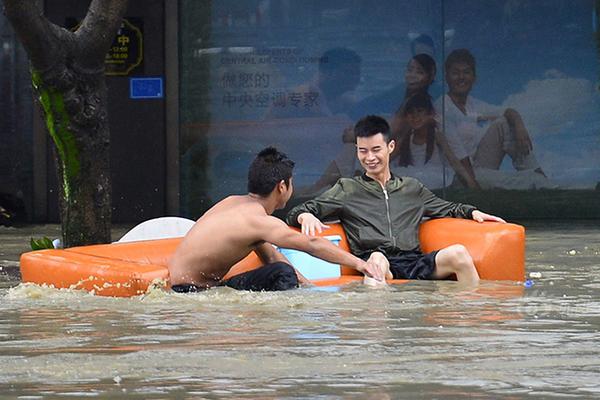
57,122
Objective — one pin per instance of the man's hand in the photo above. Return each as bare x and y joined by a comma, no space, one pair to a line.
481,216
522,138
372,270
311,224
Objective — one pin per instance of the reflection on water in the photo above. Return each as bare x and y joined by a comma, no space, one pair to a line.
417,340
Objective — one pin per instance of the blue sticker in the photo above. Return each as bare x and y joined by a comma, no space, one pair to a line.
528,283
146,88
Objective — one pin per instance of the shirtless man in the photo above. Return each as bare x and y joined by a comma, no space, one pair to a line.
237,225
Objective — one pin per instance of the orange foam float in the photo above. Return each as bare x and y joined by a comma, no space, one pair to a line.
129,269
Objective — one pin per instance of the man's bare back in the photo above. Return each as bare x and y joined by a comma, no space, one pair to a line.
237,225
224,235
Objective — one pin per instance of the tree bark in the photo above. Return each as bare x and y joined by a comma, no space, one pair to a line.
67,71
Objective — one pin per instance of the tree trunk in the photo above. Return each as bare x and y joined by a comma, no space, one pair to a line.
67,71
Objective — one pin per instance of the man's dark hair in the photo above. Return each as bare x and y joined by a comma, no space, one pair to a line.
371,125
268,169
460,56
334,59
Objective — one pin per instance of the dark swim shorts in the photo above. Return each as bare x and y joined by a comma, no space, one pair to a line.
412,265
270,277
188,288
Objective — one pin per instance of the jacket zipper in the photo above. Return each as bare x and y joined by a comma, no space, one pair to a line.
387,209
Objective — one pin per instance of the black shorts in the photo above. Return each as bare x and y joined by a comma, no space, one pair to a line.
188,288
412,265
270,277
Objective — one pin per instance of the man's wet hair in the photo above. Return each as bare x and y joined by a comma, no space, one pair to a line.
334,59
268,169
460,56
371,125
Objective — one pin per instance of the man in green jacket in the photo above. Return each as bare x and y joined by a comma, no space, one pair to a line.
381,213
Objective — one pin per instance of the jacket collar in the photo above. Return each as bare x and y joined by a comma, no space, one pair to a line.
369,179
393,184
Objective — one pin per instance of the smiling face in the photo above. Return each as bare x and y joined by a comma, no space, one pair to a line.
374,155
416,77
460,77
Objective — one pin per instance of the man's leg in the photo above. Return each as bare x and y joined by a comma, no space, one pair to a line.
271,277
382,264
455,259
498,141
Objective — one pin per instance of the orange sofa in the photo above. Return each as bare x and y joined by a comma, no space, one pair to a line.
128,269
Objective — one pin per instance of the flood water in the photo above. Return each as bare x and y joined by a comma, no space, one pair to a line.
417,340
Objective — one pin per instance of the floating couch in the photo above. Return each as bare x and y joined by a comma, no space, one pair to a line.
128,269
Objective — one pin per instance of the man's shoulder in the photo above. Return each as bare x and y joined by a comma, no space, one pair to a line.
343,184
477,104
445,107
352,184
264,222
437,103
406,182
348,181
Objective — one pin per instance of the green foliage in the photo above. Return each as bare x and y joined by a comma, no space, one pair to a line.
41,244
57,122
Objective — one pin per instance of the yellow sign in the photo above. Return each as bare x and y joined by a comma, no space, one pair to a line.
126,51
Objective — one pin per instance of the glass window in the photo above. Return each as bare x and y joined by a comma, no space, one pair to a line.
515,112
16,165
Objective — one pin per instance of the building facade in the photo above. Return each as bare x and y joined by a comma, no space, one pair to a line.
207,84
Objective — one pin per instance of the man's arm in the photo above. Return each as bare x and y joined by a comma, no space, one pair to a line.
524,144
470,174
453,148
327,205
436,207
278,233
267,253
462,168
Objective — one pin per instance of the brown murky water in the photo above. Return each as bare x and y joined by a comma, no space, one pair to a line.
417,340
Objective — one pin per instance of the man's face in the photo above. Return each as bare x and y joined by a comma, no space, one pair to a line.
460,77
374,153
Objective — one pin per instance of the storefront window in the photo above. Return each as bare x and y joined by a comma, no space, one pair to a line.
520,118
16,172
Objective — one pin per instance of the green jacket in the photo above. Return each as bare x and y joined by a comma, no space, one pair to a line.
379,220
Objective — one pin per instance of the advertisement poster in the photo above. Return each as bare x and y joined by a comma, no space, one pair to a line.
510,89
